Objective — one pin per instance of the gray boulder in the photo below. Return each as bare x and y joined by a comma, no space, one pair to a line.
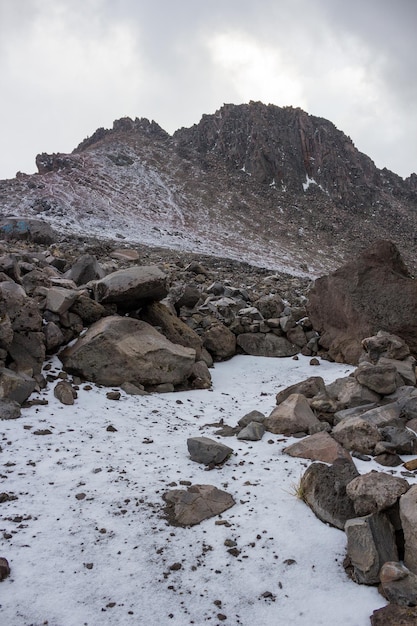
308,388
117,349
370,544
379,378
398,584
408,514
14,386
294,415
220,342
324,490
84,270
207,451
131,288
266,344
375,491
195,504
9,409
254,431
355,434
318,447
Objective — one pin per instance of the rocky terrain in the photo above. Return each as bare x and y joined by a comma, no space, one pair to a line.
232,202
271,186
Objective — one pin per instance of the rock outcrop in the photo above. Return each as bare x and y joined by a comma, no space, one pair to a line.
374,292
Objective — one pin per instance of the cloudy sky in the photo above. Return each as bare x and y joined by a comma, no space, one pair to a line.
68,67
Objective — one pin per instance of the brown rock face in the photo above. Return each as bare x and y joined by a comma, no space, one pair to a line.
371,293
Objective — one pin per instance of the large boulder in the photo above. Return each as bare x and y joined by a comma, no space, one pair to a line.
131,288
28,229
117,349
323,488
373,292
291,416
375,491
266,344
220,342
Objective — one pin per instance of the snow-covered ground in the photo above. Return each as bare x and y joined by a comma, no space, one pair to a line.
108,557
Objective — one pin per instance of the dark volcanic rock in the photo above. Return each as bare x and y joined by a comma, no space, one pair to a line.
371,293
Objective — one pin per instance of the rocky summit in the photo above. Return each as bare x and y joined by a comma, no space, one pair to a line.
271,186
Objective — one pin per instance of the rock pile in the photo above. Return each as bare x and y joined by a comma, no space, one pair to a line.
156,327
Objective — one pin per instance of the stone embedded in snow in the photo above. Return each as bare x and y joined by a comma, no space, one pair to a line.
197,503
318,447
375,491
207,451
252,416
254,431
394,614
323,488
64,392
116,350
131,288
9,409
291,416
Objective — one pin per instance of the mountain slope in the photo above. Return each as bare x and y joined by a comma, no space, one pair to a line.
268,185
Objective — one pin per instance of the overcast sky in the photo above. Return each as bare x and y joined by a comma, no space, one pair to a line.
68,67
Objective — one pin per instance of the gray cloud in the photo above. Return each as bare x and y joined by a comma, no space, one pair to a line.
70,66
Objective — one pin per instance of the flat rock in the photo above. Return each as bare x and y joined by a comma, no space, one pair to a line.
394,615
318,447
131,288
207,451
195,504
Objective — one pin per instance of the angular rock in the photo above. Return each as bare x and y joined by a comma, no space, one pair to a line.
220,342
308,388
197,503
355,434
408,514
131,288
406,368
116,350
88,309
252,416
59,300
23,311
370,544
324,490
27,351
84,270
27,229
54,337
318,447
397,439
399,584
254,431
200,377
270,306
207,451
383,415
347,392
386,345
291,416
14,386
379,378
174,329
375,491
261,344
372,292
